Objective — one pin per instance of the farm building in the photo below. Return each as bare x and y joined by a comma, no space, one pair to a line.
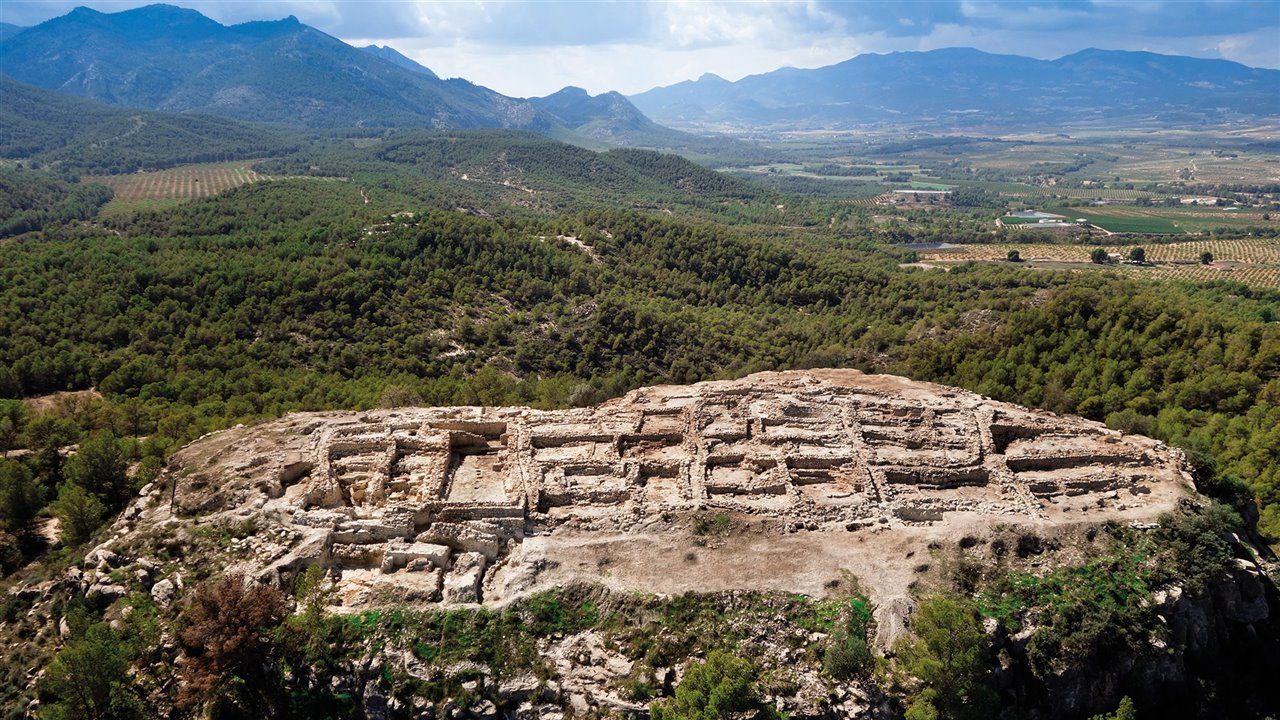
912,197
1036,220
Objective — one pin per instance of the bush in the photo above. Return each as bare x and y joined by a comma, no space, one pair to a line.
950,658
721,687
1125,711
10,553
89,679
847,654
100,467
1193,543
228,640
21,496
717,524
78,511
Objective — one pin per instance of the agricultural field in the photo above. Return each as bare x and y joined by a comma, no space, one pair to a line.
185,182
1113,157
1183,219
1253,261
1089,193
1197,165
1126,220
809,170
166,188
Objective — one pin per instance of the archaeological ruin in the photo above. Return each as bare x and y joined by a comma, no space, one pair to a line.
822,472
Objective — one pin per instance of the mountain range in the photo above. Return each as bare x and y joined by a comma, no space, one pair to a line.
963,87
161,57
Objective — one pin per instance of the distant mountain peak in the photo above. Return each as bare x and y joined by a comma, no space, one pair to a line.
160,11
569,91
609,116
395,57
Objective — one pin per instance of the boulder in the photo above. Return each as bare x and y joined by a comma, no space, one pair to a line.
163,593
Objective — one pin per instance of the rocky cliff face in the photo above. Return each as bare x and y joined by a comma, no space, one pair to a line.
1208,656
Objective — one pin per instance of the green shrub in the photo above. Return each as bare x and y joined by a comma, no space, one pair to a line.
88,679
950,659
847,654
1125,711
78,511
722,687
100,467
717,524
21,496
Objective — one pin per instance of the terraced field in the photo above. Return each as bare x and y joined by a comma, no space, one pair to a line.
1252,261
1263,277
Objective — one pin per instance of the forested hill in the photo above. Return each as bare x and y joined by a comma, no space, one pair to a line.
30,200
77,135
611,119
492,171
963,87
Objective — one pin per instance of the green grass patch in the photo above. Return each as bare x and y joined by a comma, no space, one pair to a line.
1123,224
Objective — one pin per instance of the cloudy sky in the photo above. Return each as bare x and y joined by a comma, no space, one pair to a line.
533,47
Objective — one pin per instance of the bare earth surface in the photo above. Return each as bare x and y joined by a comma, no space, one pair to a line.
778,481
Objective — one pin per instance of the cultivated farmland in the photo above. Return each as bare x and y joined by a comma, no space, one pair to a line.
1126,220
180,183
1134,219
1253,261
